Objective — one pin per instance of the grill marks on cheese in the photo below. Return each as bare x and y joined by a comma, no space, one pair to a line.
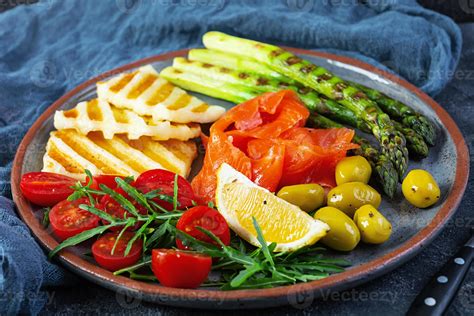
69,152
98,115
147,94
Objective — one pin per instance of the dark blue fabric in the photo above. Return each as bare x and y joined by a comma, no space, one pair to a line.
50,47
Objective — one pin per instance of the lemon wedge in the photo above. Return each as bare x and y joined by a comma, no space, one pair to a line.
238,199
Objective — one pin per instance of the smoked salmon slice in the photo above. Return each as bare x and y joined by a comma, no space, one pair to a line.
265,139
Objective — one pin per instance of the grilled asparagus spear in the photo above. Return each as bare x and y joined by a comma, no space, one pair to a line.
403,114
416,144
392,141
385,174
313,101
238,93
234,62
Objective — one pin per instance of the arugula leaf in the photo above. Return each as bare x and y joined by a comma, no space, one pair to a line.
243,275
138,233
45,220
156,194
197,245
229,252
119,198
79,238
339,262
157,206
122,231
158,233
175,192
168,215
98,212
134,193
145,262
81,190
263,243
257,283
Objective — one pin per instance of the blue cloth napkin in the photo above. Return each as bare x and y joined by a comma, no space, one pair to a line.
48,48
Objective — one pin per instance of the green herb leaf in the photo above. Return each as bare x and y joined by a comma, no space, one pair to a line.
169,215
144,263
133,193
119,198
263,243
156,194
45,220
99,213
175,192
79,238
129,223
158,233
257,283
243,275
230,252
77,194
197,245
90,177
339,262
138,233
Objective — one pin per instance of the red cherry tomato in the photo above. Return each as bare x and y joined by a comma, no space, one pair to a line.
164,181
102,251
45,188
112,207
181,269
106,179
207,218
68,220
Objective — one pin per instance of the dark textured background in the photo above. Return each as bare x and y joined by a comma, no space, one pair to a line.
388,295
391,294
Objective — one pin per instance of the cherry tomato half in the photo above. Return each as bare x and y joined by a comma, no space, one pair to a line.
45,188
164,181
181,269
68,220
112,207
207,218
102,251
106,179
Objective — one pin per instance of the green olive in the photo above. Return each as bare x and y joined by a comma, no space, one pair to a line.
348,197
420,188
353,169
307,197
374,227
344,234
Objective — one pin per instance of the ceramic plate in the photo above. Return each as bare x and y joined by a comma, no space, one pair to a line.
412,228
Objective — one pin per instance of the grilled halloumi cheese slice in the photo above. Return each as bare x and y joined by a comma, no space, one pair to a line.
69,152
98,115
147,94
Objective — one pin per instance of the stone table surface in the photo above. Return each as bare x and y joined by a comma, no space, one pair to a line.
391,294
